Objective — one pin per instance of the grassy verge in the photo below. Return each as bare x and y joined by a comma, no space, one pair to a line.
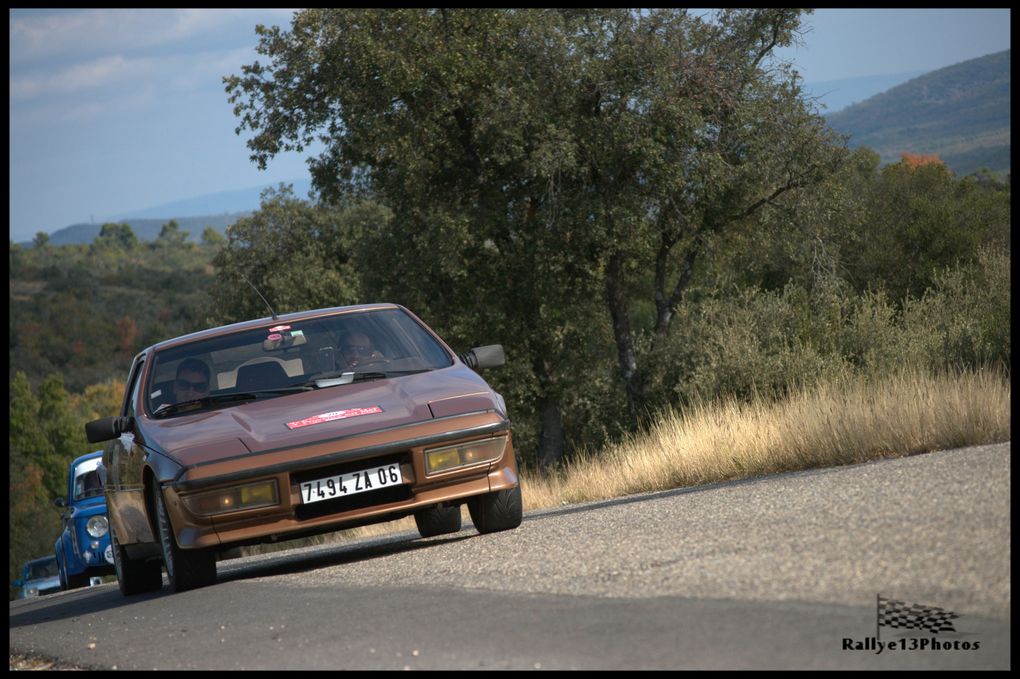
849,420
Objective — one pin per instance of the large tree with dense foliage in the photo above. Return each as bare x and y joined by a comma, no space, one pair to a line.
297,255
538,162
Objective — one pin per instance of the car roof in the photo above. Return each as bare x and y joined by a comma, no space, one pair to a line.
259,322
87,456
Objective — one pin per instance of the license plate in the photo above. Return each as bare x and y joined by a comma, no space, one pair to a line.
352,483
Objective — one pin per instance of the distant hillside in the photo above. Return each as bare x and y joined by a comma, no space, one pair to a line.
222,202
145,229
836,95
960,112
218,210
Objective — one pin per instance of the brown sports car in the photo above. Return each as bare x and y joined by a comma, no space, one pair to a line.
295,425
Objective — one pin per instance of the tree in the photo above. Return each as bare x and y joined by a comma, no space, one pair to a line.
295,253
127,335
41,240
537,160
44,430
212,238
920,220
170,235
915,160
113,234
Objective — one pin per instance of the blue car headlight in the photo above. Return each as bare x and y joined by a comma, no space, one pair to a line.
97,526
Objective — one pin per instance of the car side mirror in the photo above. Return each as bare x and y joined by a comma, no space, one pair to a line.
60,502
107,428
490,356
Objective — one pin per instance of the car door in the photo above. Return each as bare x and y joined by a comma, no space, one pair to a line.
124,460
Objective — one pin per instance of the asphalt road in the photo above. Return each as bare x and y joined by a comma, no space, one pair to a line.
778,572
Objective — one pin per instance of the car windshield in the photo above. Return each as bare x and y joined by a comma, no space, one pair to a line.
286,357
87,482
42,569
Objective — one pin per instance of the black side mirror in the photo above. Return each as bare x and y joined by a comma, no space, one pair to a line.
490,356
107,428
60,502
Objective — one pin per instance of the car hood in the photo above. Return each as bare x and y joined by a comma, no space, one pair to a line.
308,417
42,583
89,506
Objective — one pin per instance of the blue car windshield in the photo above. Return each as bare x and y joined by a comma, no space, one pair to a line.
42,569
87,484
283,357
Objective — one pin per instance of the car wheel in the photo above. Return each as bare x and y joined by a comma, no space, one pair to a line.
437,520
134,576
76,581
185,568
501,510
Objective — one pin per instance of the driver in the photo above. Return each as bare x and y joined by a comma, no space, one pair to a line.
192,380
358,350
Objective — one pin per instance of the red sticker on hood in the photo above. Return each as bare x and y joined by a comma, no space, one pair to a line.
335,415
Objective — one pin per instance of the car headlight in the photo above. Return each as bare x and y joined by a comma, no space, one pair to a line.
32,591
250,496
97,526
464,455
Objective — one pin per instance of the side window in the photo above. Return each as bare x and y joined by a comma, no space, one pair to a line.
131,393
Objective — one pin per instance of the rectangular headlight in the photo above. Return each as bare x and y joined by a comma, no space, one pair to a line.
239,498
464,455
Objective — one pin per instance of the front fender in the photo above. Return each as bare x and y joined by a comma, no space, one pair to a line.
127,506
67,558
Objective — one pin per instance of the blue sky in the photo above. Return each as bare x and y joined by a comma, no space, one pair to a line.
114,111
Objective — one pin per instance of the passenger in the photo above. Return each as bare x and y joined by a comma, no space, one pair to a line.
358,350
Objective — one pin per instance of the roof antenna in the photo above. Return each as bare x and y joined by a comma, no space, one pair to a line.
259,294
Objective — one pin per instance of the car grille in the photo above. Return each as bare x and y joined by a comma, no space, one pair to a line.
339,505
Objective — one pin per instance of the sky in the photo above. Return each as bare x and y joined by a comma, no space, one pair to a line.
118,110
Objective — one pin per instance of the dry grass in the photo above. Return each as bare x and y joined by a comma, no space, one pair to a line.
853,419
842,422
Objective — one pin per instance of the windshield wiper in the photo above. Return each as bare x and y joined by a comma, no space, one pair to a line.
221,399
333,379
204,402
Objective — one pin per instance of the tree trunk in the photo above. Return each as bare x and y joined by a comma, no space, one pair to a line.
618,310
550,439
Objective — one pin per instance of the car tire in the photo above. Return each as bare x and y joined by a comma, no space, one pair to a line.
76,581
501,510
185,568
134,576
437,520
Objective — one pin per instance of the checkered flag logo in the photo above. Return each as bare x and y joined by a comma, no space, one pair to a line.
914,616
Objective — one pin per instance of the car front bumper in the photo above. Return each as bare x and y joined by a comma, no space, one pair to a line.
292,517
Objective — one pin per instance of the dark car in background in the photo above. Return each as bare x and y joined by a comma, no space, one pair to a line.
38,577
83,549
295,425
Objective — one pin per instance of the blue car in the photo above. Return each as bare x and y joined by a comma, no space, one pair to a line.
83,549
38,577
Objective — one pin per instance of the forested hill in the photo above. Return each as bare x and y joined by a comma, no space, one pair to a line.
960,112
145,229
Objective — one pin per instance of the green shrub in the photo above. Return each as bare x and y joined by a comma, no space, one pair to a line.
964,320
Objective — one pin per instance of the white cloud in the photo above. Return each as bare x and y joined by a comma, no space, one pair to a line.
56,115
180,72
45,34
78,77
